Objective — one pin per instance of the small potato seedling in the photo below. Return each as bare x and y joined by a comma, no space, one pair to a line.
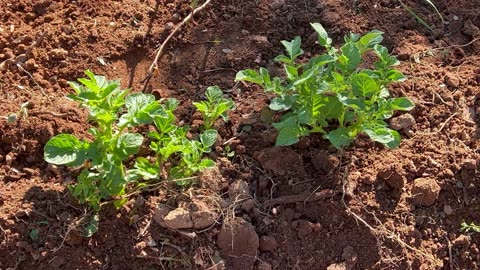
335,93
114,114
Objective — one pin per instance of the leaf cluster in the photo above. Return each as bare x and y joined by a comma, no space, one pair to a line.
114,114
334,93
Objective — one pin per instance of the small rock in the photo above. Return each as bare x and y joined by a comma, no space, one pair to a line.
74,238
248,205
322,161
268,243
455,18
462,240
160,212
21,213
169,26
9,159
239,242
469,164
202,215
22,244
178,219
447,209
59,54
238,191
262,265
425,191
393,176
451,80
277,4
470,29
404,121
175,18
337,266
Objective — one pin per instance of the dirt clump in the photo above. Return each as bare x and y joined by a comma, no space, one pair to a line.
281,161
238,243
393,175
425,191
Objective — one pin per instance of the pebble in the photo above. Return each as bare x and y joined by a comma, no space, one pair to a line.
268,243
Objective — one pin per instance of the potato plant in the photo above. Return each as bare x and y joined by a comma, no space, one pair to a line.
114,113
335,93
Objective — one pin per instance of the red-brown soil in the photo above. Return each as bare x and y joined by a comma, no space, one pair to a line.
118,38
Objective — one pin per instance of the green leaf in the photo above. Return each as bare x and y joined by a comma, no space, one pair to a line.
128,144
288,136
339,137
363,85
378,133
395,76
65,149
396,139
323,38
249,75
401,104
351,57
144,169
370,39
119,203
280,104
34,234
208,137
92,226
283,59
213,93
293,47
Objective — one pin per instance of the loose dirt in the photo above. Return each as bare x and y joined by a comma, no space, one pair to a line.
308,206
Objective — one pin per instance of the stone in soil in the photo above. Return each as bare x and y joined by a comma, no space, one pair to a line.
238,243
178,219
425,191
322,161
238,191
160,212
268,243
402,122
393,175
202,215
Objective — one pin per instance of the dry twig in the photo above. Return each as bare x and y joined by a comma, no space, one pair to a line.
154,65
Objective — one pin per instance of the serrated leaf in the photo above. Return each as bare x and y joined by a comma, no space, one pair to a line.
128,144
379,134
280,104
208,137
213,93
363,85
288,136
283,59
396,139
293,47
402,104
339,137
249,75
64,149
370,39
323,38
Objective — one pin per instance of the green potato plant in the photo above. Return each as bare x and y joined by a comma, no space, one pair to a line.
114,113
104,173
214,107
334,93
